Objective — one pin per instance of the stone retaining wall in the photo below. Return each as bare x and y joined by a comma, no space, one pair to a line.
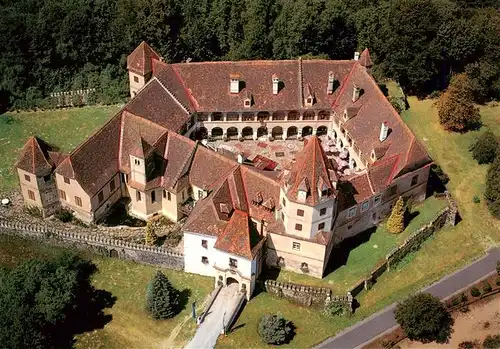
153,255
306,295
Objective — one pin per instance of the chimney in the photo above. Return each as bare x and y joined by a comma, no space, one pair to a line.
331,79
384,130
356,56
355,93
240,158
275,84
235,83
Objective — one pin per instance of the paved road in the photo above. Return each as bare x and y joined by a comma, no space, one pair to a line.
365,330
210,329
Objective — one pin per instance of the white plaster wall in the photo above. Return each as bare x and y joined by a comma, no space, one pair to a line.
244,265
193,251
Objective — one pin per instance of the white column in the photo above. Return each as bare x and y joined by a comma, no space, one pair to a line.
255,135
314,131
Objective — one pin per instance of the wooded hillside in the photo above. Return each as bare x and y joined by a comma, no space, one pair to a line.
58,45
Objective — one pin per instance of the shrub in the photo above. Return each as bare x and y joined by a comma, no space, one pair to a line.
476,199
150,236
486,286
396,223
492,342
438,171
498,282
463,297
485,149
33,211
64,215
468,345
492,192
475,292
275,329
162,299
424,318
335,309
455,107
455,300
498,267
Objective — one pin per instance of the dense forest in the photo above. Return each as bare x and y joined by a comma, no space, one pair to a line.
58,45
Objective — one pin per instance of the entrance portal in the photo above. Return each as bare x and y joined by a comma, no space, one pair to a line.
230,281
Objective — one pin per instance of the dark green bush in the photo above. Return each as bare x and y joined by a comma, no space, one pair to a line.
468,345
485,149
476,199
492,191
498,267
463,297
498,282
33,211
275,329
486,286
162,299
492,342
475,292
438,171
64,215
455,300
335,309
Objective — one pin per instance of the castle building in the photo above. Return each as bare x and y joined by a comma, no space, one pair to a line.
240,216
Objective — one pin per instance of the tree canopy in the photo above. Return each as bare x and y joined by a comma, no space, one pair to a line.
43,304
49,46
424,318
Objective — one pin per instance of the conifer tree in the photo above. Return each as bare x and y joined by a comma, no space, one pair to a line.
396,222
162,299
150,237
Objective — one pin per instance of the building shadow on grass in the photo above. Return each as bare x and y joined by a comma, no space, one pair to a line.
340,253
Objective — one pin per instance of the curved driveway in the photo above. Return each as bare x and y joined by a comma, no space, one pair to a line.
359,334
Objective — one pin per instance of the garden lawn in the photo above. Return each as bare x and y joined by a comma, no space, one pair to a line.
362,254
64,128
130,326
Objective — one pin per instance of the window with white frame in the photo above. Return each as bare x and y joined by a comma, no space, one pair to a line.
376,200
365,206
352,212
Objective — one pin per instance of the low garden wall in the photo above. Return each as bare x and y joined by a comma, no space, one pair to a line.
105,246
306,295
446,217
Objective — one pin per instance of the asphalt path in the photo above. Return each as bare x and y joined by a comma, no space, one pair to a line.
384,320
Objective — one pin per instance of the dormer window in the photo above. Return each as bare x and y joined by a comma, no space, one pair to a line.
234,86
324,193
309,100
247,101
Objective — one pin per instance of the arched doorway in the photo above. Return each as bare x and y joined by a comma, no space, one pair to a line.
232,133
217,133
277,132
261,131
307,131
113,253
247,133
291,132
230,281
322,130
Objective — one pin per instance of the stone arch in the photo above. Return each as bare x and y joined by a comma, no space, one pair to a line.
248,116
113,253
262,131
293,115
322,130
232,133
277,132
307,131
247,133
262,116
323,115
231,280
308,115
291,132
279,115
217,133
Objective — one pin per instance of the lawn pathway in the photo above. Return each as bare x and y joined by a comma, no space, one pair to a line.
364,331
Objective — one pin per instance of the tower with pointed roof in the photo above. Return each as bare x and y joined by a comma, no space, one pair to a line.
140,66
308,193
35,167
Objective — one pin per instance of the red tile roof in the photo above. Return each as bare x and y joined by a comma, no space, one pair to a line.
38,157
365,59
239,237
95,161
140,60
207,167
312,172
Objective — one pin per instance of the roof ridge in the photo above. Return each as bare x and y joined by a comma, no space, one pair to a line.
343,86
192,100
171,95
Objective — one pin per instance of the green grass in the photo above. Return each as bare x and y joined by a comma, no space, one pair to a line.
365,254
130,327
63,128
